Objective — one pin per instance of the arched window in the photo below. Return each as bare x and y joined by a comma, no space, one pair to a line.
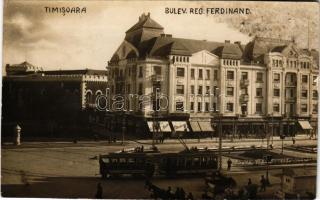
89,96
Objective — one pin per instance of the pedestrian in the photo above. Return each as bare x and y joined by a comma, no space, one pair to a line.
249,181
190,196
142,148
263,183
182,194
293,140
229,162
177,193
99,191
168,192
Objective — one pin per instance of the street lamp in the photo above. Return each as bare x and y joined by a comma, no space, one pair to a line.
217,94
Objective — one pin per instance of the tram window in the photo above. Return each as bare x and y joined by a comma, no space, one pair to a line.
122,160
105,160
131,160
189,162
181,162
114,160
196,161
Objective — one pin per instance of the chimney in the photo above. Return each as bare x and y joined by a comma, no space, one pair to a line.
227,41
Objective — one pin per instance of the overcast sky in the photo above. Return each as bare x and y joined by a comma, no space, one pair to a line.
88,40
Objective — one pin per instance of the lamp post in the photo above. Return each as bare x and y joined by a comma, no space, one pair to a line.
217,94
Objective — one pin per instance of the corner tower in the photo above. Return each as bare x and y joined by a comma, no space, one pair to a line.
145,29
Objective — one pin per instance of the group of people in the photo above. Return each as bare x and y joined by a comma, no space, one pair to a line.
158,192
179,194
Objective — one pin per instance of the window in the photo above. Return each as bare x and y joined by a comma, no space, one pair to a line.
140,89
230,75
259,77
230,91
304,78
128,88
276,92
207,107
192,89
179,106
200,89
276,107
180,89
304,93
157,70
140,72
215,88
314,80
192,106
258,107
259,92
315,108
315,94
215,75
244,75
180,72
214,107
192,73
199,107
276,77
208,74
200,73
304,108
230,107
207,90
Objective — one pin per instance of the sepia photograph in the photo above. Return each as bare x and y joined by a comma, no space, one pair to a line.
159,99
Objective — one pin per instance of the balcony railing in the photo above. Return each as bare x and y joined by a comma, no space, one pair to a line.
291,84
156,78
244,82
291,99
244,98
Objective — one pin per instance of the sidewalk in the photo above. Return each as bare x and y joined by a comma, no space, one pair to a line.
81,143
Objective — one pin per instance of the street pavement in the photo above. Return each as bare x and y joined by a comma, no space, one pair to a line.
68,170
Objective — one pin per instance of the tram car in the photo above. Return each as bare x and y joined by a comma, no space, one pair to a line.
194,161
146,163
134,162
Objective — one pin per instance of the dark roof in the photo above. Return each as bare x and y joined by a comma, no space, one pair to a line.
255,50
24,64
278,48
162,46
76,72
145,22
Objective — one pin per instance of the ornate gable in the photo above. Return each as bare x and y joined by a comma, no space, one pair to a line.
204,57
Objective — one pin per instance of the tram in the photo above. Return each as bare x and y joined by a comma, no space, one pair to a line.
147,163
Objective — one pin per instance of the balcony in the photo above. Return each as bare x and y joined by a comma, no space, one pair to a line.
156,78
291,84
291,99
244,98
244,82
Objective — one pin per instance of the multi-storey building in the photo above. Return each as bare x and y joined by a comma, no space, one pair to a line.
50,102
267,83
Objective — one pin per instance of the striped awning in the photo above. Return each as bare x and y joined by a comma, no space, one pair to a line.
180,126
305,125
205,126
163,125
195,127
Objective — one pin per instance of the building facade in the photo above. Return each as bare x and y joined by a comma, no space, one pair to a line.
267,84
50,102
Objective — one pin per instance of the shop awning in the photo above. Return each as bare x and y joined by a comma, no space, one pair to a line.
305,125
205,126
164,126
195,127
180,126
